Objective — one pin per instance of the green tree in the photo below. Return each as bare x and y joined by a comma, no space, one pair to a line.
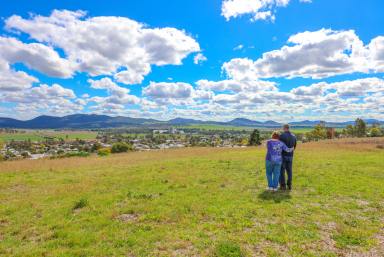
319,132
375,131
103,151
360,128
121,147
255,139
349,131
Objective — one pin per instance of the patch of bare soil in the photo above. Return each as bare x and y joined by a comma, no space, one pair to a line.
327,242
127,217
185,251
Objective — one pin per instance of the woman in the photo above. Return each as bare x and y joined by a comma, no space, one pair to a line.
273,160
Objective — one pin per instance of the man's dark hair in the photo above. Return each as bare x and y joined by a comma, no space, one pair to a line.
286,126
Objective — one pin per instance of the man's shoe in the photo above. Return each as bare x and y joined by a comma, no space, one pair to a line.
283,188
289,187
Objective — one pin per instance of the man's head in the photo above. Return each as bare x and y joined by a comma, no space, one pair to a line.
286,127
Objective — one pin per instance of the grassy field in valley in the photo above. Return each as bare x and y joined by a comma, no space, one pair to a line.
39,135
245,128
196,202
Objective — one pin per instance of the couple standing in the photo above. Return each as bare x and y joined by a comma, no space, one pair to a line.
279,159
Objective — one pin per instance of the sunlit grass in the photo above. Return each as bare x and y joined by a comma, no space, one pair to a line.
39,135
195,201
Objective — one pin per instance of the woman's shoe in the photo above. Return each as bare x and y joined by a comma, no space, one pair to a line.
274,189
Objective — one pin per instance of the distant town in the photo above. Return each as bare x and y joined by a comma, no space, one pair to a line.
36,144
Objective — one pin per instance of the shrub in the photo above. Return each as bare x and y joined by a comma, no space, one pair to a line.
103,151
77,154
121,147
95,147
375,132
25,154
228,249
80,204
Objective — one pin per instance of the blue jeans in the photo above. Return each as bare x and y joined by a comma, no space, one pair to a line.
273,173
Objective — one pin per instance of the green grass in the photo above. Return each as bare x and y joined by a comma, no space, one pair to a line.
305,130
38,135
5,137
216,127
204,202
241,128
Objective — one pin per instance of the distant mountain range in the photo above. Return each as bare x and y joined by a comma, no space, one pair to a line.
94,121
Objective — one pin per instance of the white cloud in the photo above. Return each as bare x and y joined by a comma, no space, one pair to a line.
11,80
106,45
199,58
264,16
42,99
230,99
36,56
376,51
236,86
239,47
357,88
118,97
316,55
164,90
259,9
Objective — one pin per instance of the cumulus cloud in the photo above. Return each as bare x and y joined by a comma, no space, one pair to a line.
237,86
11,80
117,100
199,58
230,99
316,55
35,56
226,99
376,54
167,91
54,99
104,45
259,9
355,88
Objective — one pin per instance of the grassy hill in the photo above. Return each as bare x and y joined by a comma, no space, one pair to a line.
196,202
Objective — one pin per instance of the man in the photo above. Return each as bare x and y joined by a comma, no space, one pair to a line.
290,140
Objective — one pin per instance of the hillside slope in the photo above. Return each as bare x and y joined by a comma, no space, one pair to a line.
195,202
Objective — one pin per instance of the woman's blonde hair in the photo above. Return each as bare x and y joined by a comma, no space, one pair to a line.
275,135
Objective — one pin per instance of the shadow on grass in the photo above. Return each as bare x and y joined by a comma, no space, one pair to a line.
277,197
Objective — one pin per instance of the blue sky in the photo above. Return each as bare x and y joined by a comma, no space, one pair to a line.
212,60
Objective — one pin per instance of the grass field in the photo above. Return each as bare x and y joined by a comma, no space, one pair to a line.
217,127
241,128
38,135
196,202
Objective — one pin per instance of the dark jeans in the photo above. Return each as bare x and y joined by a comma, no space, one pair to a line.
286,166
